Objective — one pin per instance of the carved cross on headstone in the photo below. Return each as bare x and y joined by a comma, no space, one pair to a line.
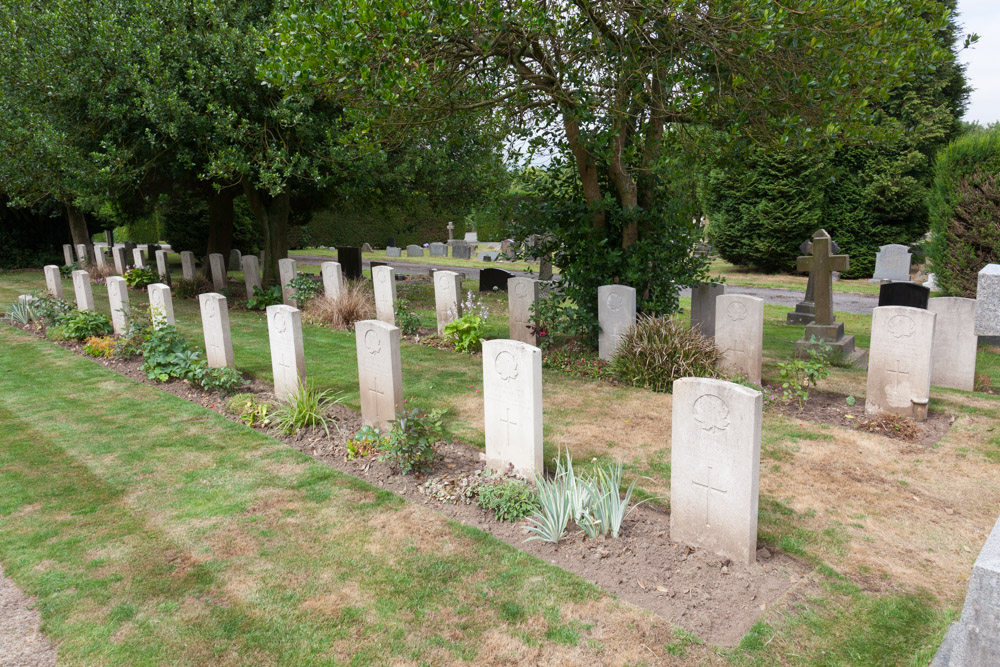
373,389
896,374
508,422
820,264
707,485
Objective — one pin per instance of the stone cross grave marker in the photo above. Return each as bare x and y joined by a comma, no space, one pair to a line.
447,288
414,251
380,375
953,360
161,305
512,401
288,361
163,266
118,255
439,250
68,254
451,230
715,467
384,282
333,279
616,315
805,310
892,264
83,290
251,273
187,264
215,326
287,270
349,258
899,368
118,298
53,281
703,307
988,301
217,265
522,293
137,258
739,334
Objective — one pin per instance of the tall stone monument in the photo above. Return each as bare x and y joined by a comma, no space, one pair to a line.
805,310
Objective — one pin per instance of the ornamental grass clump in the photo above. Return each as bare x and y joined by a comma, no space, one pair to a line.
354,304
306,407
659,349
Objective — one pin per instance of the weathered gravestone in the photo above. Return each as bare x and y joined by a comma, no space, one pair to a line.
447,289
53,281
715,467
439,250
235,259
512,401
988,301
109,237
118,298
953,360
288,361
333,279
187,265
910,295
380,375
393,251
163,266
739,334
251,274
414,251
384,283
892,264
349,258
494,280
899,369
616,315
215,326
118,255
366,247
703,307
522,293
68,254
138,259
544,268
130,253
461,251
161,305
100,256
287,271
507,249
488,256
805,310
83,290
931,282
81,253
217,265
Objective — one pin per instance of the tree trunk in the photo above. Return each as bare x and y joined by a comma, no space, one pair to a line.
585,166
272,214
220,227
78,230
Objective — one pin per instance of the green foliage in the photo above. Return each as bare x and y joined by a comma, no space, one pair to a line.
252,412
99,346
965,211
83,324
67,271
406,319
607,509
137,278
305,288
466,333
222,379
510,499
129,343
409,446
191,288
364,443
659,349
306,407
51,310
20,312
572,360
166,354
798,374
262,298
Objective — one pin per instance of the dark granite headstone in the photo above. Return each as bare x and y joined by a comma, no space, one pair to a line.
392,241
109,237
350,261
494,280
129,255
461,251
372,264
903,294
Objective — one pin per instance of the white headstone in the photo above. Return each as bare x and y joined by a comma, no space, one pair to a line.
988,301
53,281
138,258
616,315
68,254
81,253
953,361
118,253
521,296
100,257
215,326
118,298
217,264
899,361
512,401
447,288
288,361
715,467
287,270
931,282
384,282
187,264
84,293
251,273
892,264
162,266
739,334
380,374
333,279
161,305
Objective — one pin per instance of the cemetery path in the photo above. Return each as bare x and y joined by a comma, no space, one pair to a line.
861,304
415,269
21,640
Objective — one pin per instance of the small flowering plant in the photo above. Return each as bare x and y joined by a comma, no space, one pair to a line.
772,395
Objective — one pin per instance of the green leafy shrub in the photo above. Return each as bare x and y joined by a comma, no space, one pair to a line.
660,349
406,319
578,362
510,499
252,412
303,289
191,288
466,333
409,446
138,278
262,298
51,310
137,329
364,443
99,346
66,271
306,407
965,211
166,354
798,374
20,312
83,324
222,379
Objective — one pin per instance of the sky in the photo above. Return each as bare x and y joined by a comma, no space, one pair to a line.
983,59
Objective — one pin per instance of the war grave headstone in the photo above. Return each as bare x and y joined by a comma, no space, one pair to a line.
287,270
616,315
187,265
522,293
235,259
217,264
163,266
83,291
138,259
393,251
349,258
101,257
118,299
988,301
447,289
439,250
251,273
384,283
68,258
892,264
81,253
333,279
715,467
953,359
118,256
739,334
494,280
414,251
380,375
53,281
899,369
825,328
215,326
512,402
703,307
910,295
805,310
461,251
288,361
161,305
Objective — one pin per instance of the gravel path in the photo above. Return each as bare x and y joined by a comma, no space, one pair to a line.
22,643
